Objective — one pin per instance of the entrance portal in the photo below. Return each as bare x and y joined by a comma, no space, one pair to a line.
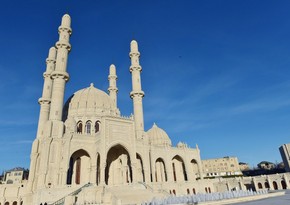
79,168
118,167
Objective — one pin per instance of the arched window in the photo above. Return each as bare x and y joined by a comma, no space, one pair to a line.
188,192
260,186
193,190
14,203
97,126
6,203
206,190
79,127
267,186
88,127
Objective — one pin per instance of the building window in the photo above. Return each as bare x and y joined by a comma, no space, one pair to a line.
88,127
79,127
97,126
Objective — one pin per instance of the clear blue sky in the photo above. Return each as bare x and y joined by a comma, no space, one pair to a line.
215,73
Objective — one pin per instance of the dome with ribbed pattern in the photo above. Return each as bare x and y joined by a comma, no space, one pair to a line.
158,136
91,101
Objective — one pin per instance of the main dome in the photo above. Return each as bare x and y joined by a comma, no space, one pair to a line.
90,101
158,136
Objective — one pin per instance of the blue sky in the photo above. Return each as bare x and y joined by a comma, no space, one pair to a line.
215,73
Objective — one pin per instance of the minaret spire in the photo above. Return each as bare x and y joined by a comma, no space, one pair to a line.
113,90
45,100
59,75
137,94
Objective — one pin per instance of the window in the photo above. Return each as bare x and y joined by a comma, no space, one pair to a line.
79,127
88,127
97,126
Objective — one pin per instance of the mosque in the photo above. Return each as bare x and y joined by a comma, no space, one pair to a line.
86,151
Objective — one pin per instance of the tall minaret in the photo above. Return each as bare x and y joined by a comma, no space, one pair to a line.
59,75
113,90
45,100
137,94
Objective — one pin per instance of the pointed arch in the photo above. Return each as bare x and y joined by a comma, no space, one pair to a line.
284,185
97,126
194,168
275,185
80,127
88,127
118,166
79,168
140,169
178,168
98,179
160,170
267,186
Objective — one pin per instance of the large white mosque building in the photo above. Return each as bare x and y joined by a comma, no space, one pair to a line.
86,151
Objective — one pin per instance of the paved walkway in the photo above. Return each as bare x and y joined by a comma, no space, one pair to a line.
281,200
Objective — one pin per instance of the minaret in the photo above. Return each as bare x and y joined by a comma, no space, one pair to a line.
59,75
137,94
113,90
45,100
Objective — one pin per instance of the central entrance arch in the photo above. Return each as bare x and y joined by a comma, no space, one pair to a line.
118,166
79,168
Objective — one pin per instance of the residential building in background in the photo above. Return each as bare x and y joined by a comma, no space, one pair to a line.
226,166
16,175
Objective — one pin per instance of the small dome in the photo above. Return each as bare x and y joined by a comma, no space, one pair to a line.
91,101
158,136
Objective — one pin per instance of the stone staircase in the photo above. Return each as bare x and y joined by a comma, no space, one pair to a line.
74,193
134,194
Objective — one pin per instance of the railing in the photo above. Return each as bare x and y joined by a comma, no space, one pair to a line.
61,201
146,186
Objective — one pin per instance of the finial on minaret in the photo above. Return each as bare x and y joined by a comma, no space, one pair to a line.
134,46
52,53
66,20
137,94
113,90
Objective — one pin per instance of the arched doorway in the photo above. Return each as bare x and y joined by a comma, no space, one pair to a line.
283,183
194,168
267,186
98,170
275,185
140,169
79,168
118,167
160,171
178,168
260,186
